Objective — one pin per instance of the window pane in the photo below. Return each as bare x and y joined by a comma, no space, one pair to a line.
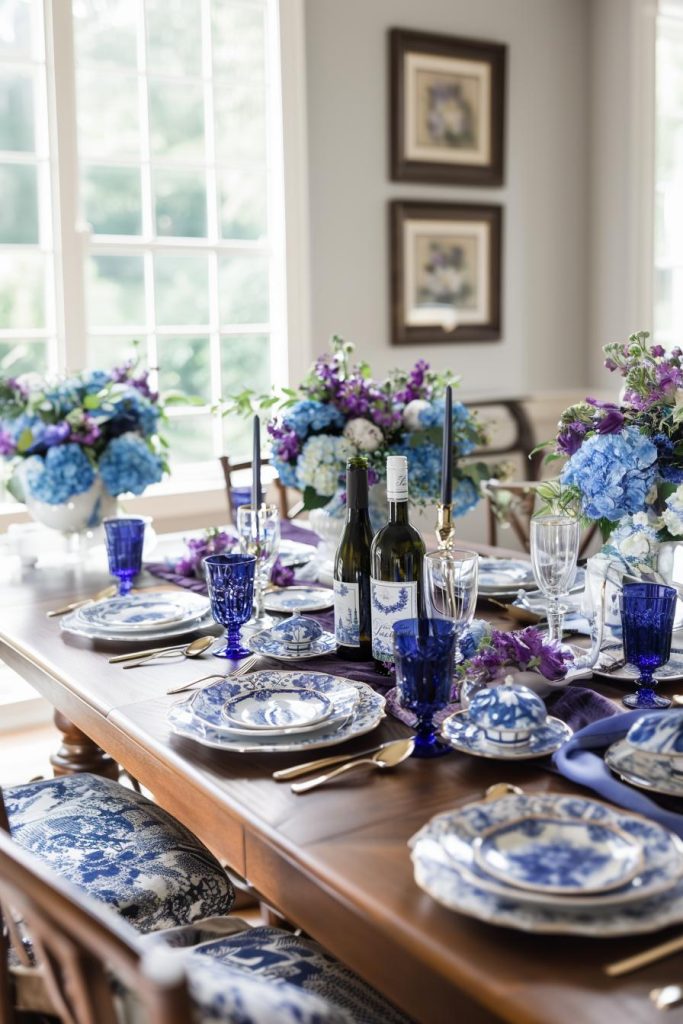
243,286
243,209
184,365
22,290
108,119
104,352
182,289
238,35
16,112
180,203
190,439
176,120
240,124
245,358
22,357
111,197
106,33
15,28
19,206
174,36
115,290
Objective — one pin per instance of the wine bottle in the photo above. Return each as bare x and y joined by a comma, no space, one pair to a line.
397,557
352,568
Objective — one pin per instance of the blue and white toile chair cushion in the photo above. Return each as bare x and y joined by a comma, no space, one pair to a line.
120,848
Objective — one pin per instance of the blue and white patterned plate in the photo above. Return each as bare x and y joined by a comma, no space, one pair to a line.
72,624
265,710
644,770
143,611
562,856
443,862
463,735
299,599
270,647
356,713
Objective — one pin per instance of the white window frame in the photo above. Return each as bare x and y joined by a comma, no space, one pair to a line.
200,496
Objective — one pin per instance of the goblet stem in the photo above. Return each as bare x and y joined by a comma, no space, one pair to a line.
426,742
555,619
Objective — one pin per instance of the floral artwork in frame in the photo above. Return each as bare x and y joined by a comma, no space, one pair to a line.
447,109
445,272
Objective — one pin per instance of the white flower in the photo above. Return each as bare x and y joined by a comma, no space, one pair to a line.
672,517
641,519
411,414
322,463
635,545
366,436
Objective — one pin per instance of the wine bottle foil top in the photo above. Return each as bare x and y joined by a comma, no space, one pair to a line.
397,478
357,483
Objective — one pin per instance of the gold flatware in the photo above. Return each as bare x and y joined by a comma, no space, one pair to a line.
191,650
284,774
389,757
648,956
239,671
524,615
678,699
101,595
500,789
149,651
667,997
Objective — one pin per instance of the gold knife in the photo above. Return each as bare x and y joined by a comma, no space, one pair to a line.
312,766
101,595
648,956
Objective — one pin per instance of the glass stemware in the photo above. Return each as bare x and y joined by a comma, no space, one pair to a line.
554,553
124,538
424,655
258,531
452,581
230,580
647,617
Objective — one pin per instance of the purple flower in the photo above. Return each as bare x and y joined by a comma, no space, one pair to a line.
657,351
281,575
56,433
570,437
522,649
611,423
7,443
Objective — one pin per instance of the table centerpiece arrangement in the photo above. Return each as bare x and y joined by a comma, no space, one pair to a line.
74,444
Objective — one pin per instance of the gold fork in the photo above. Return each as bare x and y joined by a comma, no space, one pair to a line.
247,664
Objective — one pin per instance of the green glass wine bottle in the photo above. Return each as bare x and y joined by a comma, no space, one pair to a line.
397,560
352,568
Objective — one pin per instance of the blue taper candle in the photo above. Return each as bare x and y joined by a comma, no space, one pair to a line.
256,495
447,451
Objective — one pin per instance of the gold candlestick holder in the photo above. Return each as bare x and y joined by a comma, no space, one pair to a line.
445,528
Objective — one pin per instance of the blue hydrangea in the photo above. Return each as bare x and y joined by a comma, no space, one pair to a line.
613,472
130,411
433,416
127,465
63,472
424,467
285,470
95,380
311,416
465,496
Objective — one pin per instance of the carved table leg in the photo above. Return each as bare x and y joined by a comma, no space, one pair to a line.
78,753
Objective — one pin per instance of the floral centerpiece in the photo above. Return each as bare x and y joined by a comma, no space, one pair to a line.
340,410
500,655
624,465
81,441
215,541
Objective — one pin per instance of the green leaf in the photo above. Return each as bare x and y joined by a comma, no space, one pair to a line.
91,401
15,487
25,440
314,500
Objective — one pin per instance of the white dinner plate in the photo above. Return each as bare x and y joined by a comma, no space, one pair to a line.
299,599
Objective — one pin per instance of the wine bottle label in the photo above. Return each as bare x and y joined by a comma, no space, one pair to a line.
346,614
391,602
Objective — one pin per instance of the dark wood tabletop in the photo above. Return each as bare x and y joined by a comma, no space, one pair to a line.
334,861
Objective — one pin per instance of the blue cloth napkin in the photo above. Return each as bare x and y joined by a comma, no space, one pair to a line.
577,762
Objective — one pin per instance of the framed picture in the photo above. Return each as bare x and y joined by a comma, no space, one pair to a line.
447,109
445,272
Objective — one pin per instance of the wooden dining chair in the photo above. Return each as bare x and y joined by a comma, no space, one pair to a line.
511,505
95,969
281,497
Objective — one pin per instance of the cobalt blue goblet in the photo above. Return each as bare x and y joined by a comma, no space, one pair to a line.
647,619
230,580
124,538
424,655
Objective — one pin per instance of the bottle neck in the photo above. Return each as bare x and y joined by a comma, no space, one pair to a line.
398,512
356,515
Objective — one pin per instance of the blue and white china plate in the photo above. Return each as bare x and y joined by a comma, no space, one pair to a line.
366,714
293,552
463,735
672,671
559,855
508,574
443,863
143,611
270,647
299,599
72,623
268,709
644,770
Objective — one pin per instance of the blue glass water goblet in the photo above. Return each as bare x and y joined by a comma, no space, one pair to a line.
124,538
424,656
230,579
647,619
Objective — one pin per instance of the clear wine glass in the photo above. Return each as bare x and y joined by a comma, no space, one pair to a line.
452,580
554,553
258,531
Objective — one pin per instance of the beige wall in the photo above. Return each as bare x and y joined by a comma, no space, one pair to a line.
545,197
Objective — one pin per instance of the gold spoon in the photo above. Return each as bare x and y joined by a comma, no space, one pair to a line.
193,650
388,757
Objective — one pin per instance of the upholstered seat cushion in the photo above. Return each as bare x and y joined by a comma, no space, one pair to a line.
264,975
120,848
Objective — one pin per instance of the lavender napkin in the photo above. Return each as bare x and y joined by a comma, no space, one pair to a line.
577,761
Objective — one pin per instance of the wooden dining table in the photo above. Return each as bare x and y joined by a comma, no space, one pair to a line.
334,861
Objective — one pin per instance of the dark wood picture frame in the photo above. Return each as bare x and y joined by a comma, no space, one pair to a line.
405,165
488,328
